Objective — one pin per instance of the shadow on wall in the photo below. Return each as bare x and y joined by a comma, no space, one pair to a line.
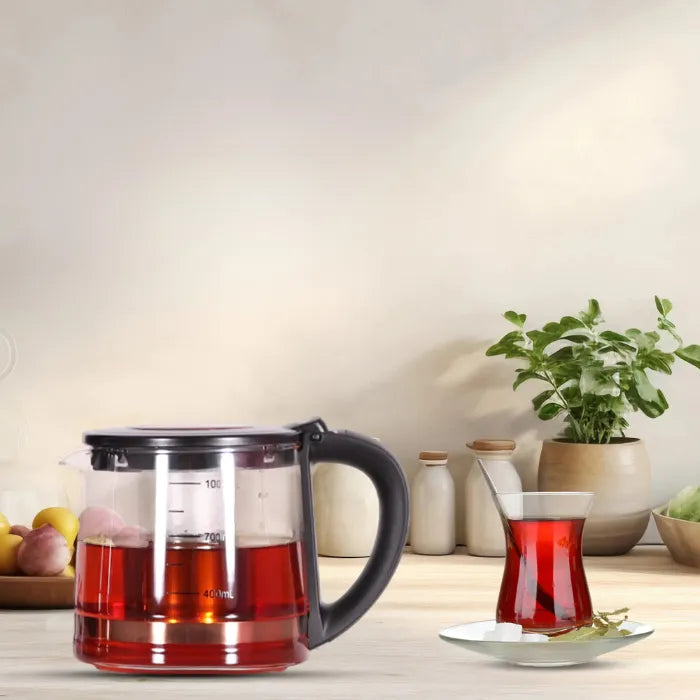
443,399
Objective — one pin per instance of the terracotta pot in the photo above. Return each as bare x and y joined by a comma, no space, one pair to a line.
620,476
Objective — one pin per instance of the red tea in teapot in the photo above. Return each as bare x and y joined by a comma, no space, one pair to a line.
128,617
195,544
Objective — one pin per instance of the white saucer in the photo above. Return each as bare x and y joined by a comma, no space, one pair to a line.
564,653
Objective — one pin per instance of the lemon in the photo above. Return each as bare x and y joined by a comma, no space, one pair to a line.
60,518
68,572
4,525
9,544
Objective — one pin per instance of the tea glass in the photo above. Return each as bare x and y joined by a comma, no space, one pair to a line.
544,585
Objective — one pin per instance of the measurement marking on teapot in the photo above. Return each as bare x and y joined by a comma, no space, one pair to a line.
175,511
217,593
185,483
215,537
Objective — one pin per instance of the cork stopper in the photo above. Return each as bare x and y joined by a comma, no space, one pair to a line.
489,445
432,456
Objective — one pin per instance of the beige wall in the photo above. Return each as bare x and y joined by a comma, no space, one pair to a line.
260,211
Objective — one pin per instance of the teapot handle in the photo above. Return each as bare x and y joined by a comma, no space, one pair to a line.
11,354
327,621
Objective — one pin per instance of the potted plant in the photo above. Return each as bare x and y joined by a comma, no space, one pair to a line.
594,378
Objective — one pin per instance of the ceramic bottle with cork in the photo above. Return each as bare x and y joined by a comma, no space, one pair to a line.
432,506
484,529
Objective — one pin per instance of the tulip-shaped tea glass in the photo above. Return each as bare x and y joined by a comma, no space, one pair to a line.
544,586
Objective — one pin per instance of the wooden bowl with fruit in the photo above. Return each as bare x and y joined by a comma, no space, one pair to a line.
678,523
37,564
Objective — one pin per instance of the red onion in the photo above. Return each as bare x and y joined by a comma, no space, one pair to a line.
98,521
21,530
43,552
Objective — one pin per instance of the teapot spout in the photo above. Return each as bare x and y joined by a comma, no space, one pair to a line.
80,460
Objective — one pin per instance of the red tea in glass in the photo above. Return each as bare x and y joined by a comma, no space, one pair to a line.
544,586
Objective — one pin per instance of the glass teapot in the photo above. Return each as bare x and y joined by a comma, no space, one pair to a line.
197,554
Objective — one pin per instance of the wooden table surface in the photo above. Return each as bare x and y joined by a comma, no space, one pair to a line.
394,651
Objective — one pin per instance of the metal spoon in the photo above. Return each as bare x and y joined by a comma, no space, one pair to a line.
542,597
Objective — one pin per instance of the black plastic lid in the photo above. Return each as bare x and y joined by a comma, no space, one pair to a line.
205,437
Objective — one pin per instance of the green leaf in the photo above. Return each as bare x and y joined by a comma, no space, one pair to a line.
572,396
506,344
515,318
592,316
512,337
541,398
647,398
657,360
496,349
563,354
619,348
577,338
666,325
597,383
515,351
565,371
540,339
690,353
554,329
620,405
645,341
524,375
568,323
613,337
663,306
646,390
549,411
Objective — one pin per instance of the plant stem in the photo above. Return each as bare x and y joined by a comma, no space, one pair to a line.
564,402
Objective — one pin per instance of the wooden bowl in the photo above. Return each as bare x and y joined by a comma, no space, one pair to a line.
682,537
36,592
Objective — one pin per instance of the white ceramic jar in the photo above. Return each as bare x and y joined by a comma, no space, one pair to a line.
432,506
346,511
484,532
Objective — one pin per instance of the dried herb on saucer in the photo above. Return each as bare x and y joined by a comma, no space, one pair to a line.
602,626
